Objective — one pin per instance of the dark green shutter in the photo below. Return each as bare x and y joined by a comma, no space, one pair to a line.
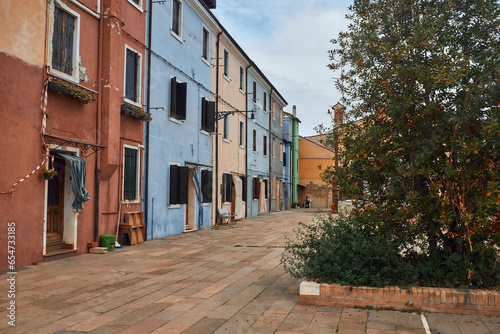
131,76
206,186
244,188
173,96
173,191
130,175
183,177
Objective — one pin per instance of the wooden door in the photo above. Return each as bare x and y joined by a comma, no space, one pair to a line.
55,204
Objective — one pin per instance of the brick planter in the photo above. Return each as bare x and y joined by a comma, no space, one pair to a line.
478,302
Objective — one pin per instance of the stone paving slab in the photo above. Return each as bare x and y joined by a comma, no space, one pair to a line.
218,280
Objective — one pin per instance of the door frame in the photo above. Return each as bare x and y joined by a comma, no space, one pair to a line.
70,217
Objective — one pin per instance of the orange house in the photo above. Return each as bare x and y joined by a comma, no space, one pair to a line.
315,153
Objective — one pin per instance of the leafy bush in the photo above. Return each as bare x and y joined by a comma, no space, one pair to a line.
339,250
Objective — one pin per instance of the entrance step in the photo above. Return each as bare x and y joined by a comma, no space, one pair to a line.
59,254
53,246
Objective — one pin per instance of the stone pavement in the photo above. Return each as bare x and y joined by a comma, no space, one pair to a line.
218,280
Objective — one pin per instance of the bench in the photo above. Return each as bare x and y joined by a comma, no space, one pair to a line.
224,216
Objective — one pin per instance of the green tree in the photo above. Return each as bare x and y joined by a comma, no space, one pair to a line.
421,77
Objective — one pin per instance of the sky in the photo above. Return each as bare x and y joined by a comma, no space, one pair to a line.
289,41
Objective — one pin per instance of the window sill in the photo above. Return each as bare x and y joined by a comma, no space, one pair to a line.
205,61
134,103
177,37
64,76
174,206
136,6
203,132
136,201
175,120
227,78
226,140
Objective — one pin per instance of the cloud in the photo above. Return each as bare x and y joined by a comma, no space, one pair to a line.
290,42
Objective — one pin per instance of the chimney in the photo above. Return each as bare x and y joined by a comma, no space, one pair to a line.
294,111
338,116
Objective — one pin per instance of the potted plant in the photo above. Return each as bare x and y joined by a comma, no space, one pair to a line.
134,112
71,90
47,174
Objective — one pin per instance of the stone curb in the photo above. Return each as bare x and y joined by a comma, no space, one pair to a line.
444,300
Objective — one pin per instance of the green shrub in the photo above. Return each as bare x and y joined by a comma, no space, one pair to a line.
339,250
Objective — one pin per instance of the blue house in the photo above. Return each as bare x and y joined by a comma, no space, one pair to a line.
178,168
287,155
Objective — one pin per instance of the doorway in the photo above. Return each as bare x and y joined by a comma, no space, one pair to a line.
191,206
55,203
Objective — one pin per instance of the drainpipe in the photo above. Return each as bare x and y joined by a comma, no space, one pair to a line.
270,152
217,127
148,103
246,136
98,123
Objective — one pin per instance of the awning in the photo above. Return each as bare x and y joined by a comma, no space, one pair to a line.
78,171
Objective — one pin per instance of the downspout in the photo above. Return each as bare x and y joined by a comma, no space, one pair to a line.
270,153
148,103
246,135
98,123
217,126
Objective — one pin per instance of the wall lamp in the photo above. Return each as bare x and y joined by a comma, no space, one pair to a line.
222,114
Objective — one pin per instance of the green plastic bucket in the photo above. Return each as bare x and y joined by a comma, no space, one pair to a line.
108,241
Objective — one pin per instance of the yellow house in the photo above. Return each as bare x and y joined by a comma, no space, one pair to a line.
315,153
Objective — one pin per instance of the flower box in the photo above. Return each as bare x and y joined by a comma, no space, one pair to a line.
134,112
71,90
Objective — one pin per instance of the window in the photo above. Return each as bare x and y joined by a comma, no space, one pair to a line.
265,101
137,4
273,190
254,94
254,140
206,44
244,188
206,185
284,159
133,64
131,173
274,110
65,43
242,134
266,188
225,128
207,115
177,18
178,190
242,78
178,94
265,146
256,188
281,117
274,148
227,185
281,151
226,64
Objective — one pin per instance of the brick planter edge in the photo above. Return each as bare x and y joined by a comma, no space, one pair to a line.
444,300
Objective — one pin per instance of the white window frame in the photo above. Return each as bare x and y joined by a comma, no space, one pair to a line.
170,118
203,131
181,10
138,6
75,76
242,79
138,176
226,65
225,126
138,84
172,206
205,60
241,125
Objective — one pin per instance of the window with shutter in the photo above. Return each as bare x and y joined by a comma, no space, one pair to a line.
254,140
265,146
178,95
265,101
130,174
226,63
227,185
176,17
207,115
244,188
254,94
178,188
225,127
206,45
256,188
242,134
284,159
63,41
131,75
242,78
206,186
266,189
